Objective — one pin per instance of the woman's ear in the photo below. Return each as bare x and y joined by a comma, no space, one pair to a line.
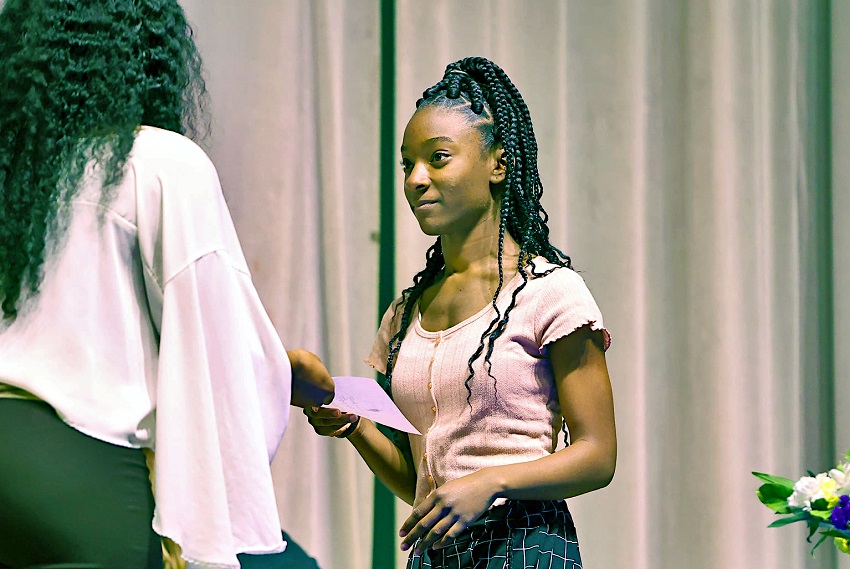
500,166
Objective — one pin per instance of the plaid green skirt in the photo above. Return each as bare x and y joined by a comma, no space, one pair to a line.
516,535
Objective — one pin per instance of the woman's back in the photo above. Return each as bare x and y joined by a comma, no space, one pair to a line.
89,324
147,332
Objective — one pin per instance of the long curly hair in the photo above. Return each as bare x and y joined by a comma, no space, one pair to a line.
480,88
79,78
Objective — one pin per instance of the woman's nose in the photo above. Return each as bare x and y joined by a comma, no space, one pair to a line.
418,178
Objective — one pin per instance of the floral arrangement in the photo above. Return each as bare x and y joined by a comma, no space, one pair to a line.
822,501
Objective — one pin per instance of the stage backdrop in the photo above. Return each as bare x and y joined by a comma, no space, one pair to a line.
694,158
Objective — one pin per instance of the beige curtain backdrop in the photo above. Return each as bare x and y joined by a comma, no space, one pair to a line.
676,166
841,213
675,170
295,129
674,160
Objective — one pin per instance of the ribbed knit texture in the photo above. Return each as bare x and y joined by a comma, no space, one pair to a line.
515,418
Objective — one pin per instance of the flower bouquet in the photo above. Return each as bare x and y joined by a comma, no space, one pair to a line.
822,501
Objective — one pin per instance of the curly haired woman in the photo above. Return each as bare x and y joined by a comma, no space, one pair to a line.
129,320
496,345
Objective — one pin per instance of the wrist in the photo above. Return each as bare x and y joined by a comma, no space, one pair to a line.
497,481
351,429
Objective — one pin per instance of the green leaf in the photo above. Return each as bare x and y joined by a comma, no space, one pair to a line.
778,480
798,517
821,540
820,514
774,497
820,504
834,533
814,525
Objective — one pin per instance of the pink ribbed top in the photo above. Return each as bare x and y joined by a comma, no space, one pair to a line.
514,419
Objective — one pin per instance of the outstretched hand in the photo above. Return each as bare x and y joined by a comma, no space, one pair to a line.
329,422
448,510
312,385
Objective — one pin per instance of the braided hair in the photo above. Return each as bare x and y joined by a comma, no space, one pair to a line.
480,88
79,78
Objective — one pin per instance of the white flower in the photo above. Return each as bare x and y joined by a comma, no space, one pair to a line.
804,489
808,490
841,475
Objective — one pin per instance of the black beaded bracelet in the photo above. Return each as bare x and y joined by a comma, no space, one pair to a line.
350,430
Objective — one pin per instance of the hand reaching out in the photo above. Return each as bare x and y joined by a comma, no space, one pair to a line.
312,385
329,422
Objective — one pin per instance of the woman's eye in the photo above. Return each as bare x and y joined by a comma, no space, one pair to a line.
439,156
405,165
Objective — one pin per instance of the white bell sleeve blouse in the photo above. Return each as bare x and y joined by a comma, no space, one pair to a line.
148,332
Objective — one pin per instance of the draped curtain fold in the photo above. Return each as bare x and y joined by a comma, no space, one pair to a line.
685,160
295,127
692,155
840,108
682,163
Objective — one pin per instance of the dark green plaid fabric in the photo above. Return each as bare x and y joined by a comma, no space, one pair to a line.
517,535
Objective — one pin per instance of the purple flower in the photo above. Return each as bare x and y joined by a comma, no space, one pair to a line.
840,516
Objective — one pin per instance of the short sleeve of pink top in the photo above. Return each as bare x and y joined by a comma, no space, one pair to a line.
514,418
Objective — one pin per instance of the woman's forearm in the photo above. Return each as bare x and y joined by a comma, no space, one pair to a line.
384,459
582,467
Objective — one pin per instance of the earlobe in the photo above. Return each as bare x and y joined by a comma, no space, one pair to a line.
500,169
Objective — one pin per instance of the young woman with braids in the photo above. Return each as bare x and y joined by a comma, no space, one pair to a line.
496,345
129,320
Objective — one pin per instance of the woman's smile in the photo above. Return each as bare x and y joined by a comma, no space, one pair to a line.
425,205
448,175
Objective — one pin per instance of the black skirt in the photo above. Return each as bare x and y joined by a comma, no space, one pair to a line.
516,535
69,500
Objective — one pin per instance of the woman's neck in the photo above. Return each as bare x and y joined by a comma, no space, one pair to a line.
478,252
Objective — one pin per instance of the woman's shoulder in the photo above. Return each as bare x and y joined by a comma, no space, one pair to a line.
168,149
170,166
562,302
544,274
393,314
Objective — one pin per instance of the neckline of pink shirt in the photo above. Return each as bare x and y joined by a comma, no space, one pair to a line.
417,322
